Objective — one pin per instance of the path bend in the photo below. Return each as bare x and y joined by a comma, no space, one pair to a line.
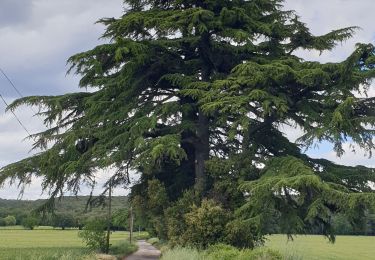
145,252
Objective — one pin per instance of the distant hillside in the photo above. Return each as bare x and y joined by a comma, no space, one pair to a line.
70,205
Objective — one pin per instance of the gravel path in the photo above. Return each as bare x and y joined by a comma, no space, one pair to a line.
145,252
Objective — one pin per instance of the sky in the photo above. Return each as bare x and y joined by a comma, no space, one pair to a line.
38,36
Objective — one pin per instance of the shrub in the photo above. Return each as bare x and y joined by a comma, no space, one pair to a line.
175,217
222,252
123,248
226,252
153,240
243,233
93,234
205,225
261,253
182,253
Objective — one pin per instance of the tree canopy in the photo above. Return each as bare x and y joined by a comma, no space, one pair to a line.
191,96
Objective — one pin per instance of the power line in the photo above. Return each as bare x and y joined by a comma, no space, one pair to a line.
11,83
18,92
14,114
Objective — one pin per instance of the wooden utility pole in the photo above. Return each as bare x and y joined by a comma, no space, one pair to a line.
109,216
131,224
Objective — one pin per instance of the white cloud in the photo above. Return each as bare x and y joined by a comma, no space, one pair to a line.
354,156
323,16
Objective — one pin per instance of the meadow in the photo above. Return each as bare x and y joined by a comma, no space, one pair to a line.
313,247
47,244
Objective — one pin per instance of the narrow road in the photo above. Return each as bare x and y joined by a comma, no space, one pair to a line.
145,252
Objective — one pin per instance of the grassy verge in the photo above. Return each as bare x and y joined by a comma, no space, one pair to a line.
221,252
317,247
43,253
123,248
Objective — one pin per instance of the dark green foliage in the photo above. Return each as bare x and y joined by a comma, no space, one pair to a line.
191,95
63,221
94,235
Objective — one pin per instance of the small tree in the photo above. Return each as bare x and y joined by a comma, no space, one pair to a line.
63,221
10,221
93,234
30,222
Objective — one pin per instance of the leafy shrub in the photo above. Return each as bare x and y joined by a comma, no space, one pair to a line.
153,240
123,248
182,253
243,233
93,234
222,252
205,225
226,252
175,217
261,253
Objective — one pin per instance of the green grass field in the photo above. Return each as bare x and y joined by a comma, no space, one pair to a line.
46,244
317,247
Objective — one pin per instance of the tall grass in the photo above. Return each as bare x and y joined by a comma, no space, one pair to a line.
46,254
123,248
221,252
182,253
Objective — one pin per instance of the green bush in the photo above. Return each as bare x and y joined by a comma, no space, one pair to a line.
93,234
123,248
227,252
243,233
182,253
261,253
175,217
153,240
222,252
205,225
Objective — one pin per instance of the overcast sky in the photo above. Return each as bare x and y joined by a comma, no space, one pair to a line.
37,37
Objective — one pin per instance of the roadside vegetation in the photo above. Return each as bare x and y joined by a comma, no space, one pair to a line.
221,252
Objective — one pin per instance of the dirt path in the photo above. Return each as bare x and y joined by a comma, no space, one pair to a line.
145,252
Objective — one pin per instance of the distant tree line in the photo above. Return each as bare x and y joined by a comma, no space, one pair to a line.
69,213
